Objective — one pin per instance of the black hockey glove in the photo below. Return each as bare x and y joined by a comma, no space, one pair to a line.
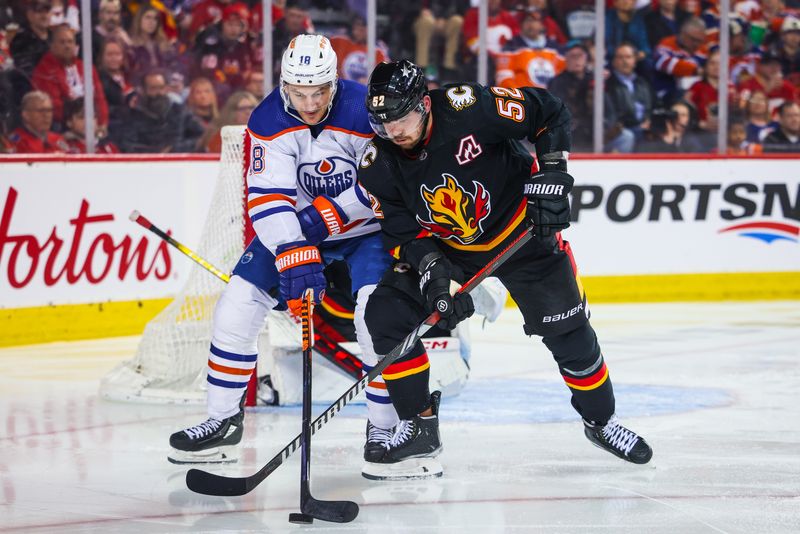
548,201
434,283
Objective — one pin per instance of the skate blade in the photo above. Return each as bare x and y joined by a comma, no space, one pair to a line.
209,456
411,469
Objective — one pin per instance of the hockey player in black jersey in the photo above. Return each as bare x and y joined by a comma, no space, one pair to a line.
451,185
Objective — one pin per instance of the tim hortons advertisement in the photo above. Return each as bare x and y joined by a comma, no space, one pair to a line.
685,216
65,236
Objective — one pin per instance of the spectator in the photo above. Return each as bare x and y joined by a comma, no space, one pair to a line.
75,132
625,24
531,34
65,12
31,42
254,84
769,79
116,86
664,21
742,60
445,18
222,53
34,136
60,75
109,25
786,137
680,58
205,14
628,101
704,94
150,48
758,116
669,132
738,145
351,52
202,101
237,110
528,67
787,49
502,27
572,86
157,124
551,27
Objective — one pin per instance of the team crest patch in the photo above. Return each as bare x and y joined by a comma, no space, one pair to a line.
461,97
454,212
329,176
247,257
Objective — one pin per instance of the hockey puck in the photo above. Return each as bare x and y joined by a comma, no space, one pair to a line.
301,519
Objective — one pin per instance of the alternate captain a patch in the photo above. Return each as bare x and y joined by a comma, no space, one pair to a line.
455,213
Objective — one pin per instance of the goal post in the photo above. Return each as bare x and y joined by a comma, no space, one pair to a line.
170,361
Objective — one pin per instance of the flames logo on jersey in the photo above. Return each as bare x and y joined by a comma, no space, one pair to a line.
461,97
454,212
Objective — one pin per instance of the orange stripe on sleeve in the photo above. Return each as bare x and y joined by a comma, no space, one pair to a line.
268,198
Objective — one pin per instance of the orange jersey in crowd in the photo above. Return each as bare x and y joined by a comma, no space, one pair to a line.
528,67
352,58
673,60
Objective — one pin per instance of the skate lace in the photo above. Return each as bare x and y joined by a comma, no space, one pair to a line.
619,436
379,435
203,429
405,430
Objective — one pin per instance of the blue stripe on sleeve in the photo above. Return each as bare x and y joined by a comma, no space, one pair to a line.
271,190
272,211
233,357
363,199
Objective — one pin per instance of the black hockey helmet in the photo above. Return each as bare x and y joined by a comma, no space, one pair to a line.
395,89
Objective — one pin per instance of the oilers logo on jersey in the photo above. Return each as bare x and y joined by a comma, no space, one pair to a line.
331,176
455,213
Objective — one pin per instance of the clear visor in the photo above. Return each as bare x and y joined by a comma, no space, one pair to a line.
408,126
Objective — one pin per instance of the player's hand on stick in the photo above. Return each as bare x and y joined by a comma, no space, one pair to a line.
548,201
323,218
300,267
436,271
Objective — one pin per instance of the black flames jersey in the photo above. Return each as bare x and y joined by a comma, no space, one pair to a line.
463,184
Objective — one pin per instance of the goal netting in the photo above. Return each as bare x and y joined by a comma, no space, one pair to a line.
170,361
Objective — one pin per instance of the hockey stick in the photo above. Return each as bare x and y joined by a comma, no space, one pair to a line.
330,350
311,508
211,484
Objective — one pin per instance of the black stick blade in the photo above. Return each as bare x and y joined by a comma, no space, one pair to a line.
333,511
210,484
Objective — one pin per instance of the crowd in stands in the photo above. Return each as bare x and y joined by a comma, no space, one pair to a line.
169,74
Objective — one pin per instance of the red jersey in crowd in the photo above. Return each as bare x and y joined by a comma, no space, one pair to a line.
784,92
501,27
702,94
25,142
65,83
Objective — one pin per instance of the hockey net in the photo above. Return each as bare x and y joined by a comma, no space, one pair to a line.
170,361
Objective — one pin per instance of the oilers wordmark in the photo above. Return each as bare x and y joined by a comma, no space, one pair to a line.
331,176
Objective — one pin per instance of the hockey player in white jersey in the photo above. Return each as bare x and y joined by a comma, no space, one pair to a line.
301,148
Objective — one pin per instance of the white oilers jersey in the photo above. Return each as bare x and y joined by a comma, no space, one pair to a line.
290,163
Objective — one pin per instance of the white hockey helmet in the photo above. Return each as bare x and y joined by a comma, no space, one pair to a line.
308,60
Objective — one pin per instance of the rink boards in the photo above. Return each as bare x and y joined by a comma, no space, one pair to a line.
645,229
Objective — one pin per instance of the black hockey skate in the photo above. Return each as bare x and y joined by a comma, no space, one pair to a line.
412,450
618,440
208,441
377,442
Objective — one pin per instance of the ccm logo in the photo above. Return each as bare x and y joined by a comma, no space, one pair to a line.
544,189
565,315
296,257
